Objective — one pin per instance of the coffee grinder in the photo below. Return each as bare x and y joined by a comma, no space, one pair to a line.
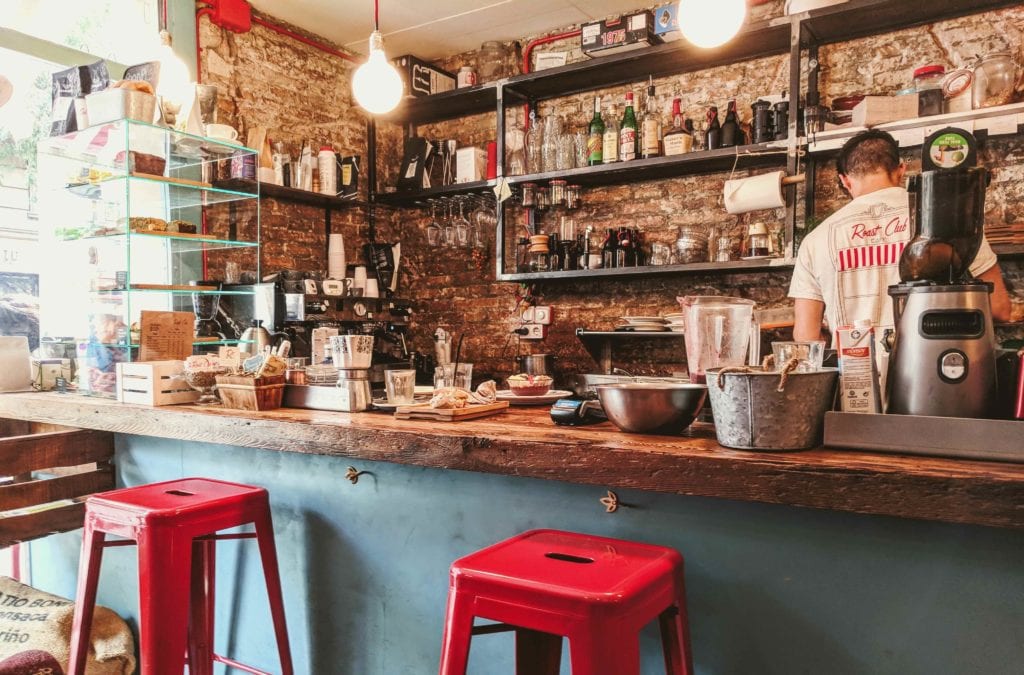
942,355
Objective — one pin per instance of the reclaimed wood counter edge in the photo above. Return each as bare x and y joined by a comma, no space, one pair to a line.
524,442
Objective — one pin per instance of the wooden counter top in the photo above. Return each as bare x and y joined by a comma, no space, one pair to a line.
524,442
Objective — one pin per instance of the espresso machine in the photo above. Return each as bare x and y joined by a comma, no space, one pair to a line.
943,353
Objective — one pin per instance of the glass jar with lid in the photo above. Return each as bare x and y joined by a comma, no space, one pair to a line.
691,244
558,187
994,77
491,61
928,85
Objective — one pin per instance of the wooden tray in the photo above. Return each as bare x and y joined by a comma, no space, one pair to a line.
471,412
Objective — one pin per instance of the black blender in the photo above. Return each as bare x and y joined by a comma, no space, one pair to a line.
942,357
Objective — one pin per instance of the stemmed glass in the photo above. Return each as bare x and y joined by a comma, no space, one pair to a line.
448,231
434,227
462,226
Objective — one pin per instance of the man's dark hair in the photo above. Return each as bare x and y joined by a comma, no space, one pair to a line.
868,152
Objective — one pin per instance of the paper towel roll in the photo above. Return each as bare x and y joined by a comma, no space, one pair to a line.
335,257
754,193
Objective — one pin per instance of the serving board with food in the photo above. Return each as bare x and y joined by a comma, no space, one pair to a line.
423,411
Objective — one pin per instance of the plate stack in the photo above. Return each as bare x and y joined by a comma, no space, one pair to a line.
642,323
675,322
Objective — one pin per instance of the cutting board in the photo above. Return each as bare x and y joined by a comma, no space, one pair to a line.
425,412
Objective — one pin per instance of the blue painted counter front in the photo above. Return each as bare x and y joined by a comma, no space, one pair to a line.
772,589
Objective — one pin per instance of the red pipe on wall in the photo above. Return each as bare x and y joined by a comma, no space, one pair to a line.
304,40
528,51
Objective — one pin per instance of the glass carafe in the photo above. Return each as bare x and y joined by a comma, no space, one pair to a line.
515,147
535,145
717,332
552,140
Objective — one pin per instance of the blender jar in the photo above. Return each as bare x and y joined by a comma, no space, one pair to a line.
717,333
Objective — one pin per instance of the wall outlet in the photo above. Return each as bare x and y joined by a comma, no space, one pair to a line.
535,331
540,314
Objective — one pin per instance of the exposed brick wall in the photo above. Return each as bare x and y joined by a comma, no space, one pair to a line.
299,92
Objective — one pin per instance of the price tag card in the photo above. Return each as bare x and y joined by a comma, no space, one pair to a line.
166,336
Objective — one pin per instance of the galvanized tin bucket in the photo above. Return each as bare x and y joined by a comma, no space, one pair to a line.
752,414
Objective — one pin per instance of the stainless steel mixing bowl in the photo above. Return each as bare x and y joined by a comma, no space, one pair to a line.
652,408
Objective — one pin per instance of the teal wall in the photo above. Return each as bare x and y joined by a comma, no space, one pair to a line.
772,589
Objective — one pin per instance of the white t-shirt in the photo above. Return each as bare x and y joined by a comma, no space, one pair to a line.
850,260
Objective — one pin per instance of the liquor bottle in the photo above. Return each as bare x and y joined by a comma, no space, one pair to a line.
595,137
609,250
625,254
650,144
678,139
639,258
713,135
731,133
628,132
610,152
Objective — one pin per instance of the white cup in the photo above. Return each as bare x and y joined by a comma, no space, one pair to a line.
360,274
221,132
370,289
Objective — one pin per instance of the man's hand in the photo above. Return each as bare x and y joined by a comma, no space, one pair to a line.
1000,299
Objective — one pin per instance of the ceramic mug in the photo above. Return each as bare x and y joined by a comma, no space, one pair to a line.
221,132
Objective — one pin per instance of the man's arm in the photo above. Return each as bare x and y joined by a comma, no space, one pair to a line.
1000,299
809,314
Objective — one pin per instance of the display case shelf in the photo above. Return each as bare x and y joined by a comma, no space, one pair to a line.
170,291
652,270
180,195
197,343
180,242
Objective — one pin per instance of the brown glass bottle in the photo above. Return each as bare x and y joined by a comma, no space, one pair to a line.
713,135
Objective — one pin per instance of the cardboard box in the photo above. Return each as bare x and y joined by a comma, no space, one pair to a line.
666,22
470,165
421,78
626,33
875,110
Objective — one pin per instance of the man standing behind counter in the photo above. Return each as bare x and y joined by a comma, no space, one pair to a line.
846,265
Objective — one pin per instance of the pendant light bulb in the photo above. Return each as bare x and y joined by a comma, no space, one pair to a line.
711,24
376,84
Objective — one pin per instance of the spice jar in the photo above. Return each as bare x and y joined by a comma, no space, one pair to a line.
928,85
994,76
957,90
529,195
725,248
558,192
543,198
572,197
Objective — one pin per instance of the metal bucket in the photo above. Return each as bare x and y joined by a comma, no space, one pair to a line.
751,414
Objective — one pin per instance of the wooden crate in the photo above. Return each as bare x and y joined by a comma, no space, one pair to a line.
46,472
153,383
246,393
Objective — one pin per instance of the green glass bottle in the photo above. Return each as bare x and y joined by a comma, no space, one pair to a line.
628,135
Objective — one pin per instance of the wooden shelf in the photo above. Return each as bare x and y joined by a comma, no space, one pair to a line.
420,197
706,161
763,38
1008,250
446,105
860,18
290,194
652,270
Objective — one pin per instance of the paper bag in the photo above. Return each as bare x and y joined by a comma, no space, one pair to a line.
15,365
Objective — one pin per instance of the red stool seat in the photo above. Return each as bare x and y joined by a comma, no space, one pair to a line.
174,524
595,591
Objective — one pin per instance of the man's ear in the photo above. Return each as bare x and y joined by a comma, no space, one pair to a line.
901,173
844,180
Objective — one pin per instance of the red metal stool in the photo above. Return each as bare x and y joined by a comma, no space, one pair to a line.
174,524
595,591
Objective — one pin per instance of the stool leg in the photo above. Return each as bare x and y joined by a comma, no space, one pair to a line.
538,653
85,597
165,564
675,634
458,631
201,609
596,652
272,576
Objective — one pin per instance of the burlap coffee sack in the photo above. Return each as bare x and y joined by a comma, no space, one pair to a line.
33,621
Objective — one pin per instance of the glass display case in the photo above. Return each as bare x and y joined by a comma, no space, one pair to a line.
131,220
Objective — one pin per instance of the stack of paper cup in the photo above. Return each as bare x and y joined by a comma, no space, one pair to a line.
359,280
370,288
336,257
